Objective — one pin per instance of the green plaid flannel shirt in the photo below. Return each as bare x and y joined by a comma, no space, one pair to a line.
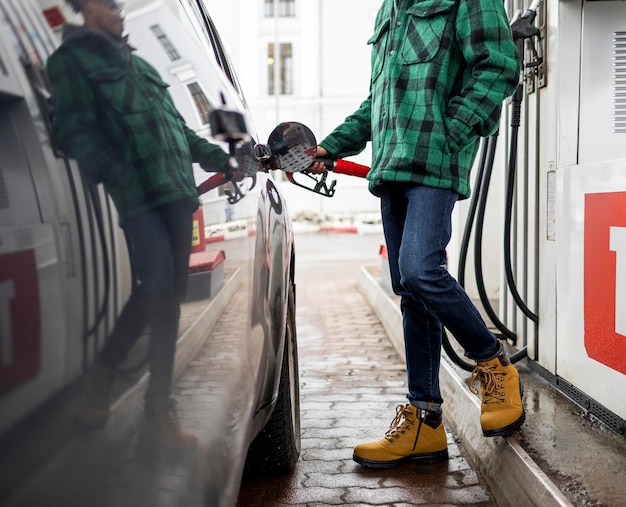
115,116
440,71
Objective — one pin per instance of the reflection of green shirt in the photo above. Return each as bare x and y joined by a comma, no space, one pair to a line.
440,71
114,115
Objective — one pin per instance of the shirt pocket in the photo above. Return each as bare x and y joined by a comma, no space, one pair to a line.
426,29
158,91
118,91
379,42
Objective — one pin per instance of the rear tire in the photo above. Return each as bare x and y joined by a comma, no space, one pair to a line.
275,451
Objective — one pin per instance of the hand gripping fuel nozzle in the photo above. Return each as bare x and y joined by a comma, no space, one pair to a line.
523,27
524,31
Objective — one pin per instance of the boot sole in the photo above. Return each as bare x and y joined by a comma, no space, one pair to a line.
424,459
507,430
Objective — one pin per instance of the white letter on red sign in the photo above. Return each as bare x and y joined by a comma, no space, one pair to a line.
7,293
618,245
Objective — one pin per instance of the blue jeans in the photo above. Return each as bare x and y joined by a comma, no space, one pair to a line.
417,226
159,243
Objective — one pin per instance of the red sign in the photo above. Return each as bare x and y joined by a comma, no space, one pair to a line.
20,320
605,279
54,17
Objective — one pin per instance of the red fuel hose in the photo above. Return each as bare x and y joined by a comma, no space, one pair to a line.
340,166
350,168
213,182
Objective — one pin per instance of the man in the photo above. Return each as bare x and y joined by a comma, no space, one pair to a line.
440,71
114,115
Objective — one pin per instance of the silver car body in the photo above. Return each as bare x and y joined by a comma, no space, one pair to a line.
64,273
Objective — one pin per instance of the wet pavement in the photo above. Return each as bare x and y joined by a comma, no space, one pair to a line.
352,378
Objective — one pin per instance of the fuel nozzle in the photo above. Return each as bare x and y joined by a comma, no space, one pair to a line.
524,26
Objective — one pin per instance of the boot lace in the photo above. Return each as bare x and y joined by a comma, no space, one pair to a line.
401,423
490,381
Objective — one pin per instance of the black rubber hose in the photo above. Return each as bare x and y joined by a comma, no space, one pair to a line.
81,247
508,212
507,333
471,214
113,249
478,238
451,353
96,215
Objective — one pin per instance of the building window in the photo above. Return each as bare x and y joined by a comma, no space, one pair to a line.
203,105
286,8
165,42
282,58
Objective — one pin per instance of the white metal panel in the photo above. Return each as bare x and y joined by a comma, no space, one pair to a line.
48,366
545,350
568,80
574,364
598,139
581,171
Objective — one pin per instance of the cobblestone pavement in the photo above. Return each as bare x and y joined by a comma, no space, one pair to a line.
351,381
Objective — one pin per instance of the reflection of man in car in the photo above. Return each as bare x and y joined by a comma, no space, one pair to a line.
114,115
440,71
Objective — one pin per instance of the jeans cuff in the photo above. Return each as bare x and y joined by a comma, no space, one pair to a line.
429,406
499,351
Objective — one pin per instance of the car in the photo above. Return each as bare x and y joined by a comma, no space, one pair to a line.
64,276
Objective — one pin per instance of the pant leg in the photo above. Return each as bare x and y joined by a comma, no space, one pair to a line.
128,328
144,236
177,222
422,330
178,218
417,224
159,243
425,276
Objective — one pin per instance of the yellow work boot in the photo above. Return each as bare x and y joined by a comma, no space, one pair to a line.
414,435
93,403
161,428
501,410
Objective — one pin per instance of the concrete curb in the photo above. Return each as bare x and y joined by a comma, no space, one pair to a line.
514,478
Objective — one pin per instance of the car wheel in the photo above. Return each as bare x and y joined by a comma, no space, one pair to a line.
276,449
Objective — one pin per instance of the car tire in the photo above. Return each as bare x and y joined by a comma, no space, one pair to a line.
276,449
